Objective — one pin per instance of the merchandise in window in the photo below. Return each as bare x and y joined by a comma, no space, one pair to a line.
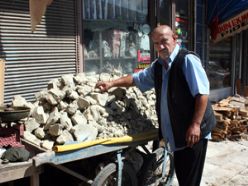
182,23
219,65
115,35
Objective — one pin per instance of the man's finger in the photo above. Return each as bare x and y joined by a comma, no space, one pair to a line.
191,140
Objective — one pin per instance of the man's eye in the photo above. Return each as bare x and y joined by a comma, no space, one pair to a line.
164,42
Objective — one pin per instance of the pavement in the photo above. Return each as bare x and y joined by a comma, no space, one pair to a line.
226,164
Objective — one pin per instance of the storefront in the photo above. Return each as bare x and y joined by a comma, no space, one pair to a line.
227,47
91,36
116,32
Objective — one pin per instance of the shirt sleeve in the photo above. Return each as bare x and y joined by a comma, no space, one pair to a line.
144,79
195,75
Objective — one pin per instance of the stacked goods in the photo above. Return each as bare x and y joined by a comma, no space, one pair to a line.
232,119
72,110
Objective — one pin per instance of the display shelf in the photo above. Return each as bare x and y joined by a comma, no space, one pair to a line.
111,59
182,17
114,32
105,24
91,59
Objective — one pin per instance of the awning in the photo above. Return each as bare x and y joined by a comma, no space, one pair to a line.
226,17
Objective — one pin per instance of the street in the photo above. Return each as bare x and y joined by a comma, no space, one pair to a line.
226,164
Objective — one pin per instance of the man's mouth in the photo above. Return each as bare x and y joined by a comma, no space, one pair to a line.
163,51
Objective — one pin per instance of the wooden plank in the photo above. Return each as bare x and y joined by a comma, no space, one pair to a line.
218,116
32,147
238,99
14,171
222,109
243,112
224,103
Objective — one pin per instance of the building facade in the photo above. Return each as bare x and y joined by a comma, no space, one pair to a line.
95,36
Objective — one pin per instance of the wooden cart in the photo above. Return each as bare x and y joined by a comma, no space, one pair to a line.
114,169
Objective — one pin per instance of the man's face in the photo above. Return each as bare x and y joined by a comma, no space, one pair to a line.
164,42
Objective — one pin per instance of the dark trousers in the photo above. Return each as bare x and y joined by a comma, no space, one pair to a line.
189,164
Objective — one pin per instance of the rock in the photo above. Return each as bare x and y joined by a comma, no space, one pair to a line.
64,138
55,130
83,103
65,121
47,144
54,84
84,90
19,101
39,115
100,98
78,118
80,78
68,80
31,124
39,133
84,132
50,99
72,94
72,109
31,138
53,117
57,94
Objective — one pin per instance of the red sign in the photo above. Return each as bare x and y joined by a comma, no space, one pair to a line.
144,58
230,27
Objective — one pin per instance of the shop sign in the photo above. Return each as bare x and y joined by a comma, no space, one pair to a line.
144,60
230,27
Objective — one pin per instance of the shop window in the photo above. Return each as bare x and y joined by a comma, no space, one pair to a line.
164,12
219,65
183,23
115,35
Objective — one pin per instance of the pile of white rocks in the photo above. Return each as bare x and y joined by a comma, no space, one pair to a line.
72,110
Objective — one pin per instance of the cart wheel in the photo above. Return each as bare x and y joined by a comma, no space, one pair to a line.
108,176
151,173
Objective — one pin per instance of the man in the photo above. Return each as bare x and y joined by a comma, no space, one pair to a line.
184,112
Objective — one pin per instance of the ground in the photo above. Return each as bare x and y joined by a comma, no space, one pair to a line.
226,164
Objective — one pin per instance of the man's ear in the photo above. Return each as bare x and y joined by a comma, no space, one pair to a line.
175,36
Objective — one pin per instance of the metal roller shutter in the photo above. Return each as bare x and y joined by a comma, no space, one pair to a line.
32,59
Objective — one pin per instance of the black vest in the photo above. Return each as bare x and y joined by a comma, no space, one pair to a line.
181,103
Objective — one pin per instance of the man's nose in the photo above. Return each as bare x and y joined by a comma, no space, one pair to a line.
161,46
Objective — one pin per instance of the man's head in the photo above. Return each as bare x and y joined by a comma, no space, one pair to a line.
164,40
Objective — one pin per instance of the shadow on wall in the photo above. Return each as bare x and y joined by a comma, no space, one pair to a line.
2,53
60,19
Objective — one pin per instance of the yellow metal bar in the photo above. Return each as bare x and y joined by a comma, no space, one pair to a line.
146,136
